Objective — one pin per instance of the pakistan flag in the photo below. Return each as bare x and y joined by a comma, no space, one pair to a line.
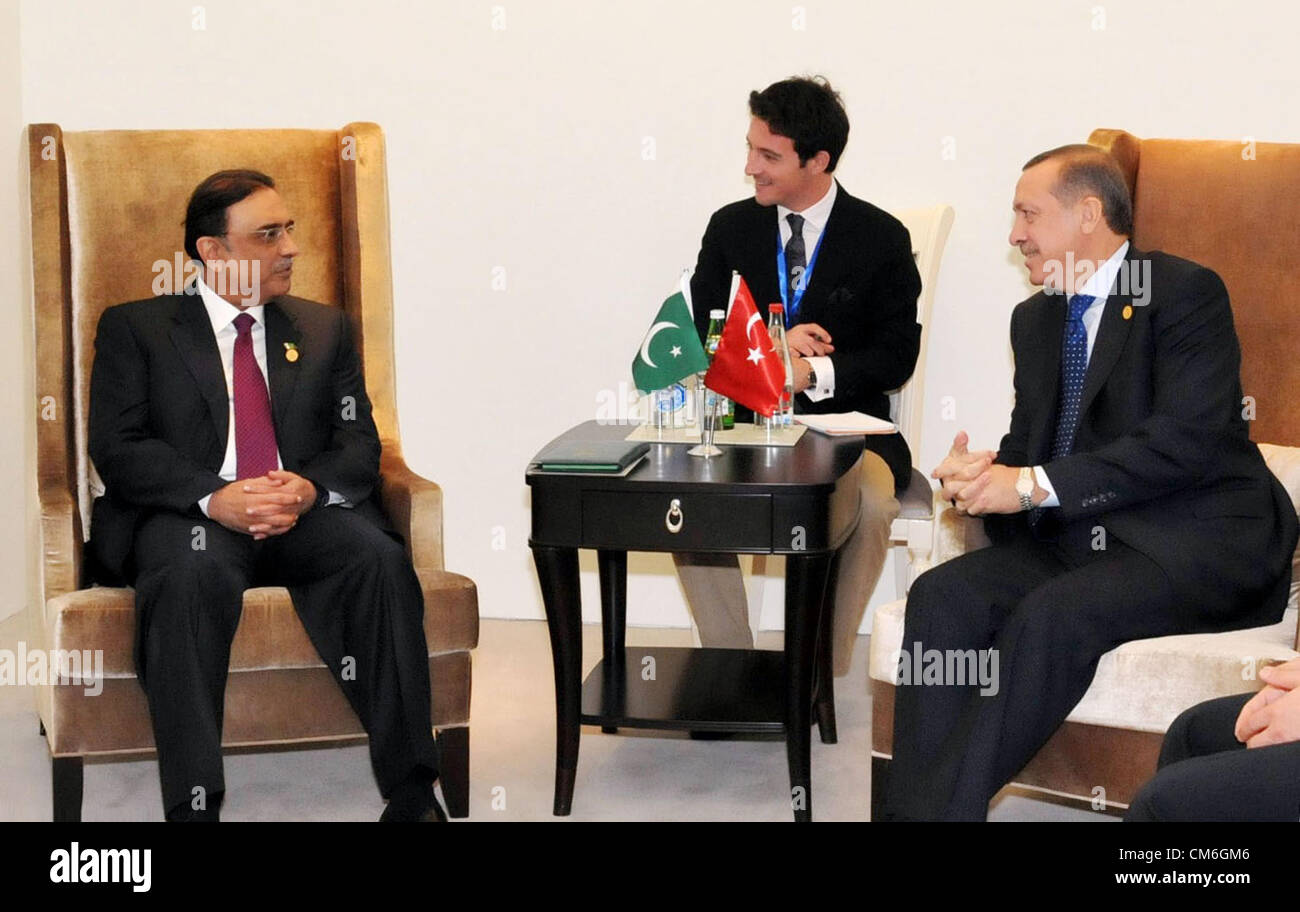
671,349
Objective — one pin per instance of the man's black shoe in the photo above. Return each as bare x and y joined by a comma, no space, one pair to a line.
414,801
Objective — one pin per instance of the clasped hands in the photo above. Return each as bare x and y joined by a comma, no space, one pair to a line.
1272,716
265,506
976,485
806,340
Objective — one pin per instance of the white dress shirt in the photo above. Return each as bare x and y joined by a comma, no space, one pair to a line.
1098,285
814,223
222,315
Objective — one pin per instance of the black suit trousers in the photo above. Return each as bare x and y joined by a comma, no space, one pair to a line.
1050,611
356,594
1207,774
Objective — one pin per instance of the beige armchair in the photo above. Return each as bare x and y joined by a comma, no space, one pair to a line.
1202,200
913,530
106,212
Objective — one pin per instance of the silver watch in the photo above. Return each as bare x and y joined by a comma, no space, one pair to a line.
1025,487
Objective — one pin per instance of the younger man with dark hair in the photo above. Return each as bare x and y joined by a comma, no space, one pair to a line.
850,292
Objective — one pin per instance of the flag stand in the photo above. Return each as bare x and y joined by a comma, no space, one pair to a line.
658,416
706,448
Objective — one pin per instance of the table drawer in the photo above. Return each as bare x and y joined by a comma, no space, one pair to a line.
700,522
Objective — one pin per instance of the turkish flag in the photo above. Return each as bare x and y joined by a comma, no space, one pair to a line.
746,367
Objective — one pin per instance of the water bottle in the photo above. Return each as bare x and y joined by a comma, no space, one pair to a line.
724,408
668,407
784,416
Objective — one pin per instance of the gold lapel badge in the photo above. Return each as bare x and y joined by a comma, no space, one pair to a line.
1128,314
291,350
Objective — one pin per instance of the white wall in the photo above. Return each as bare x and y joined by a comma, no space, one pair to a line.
17,443
517,138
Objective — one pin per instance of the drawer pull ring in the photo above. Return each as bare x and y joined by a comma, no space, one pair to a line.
674,518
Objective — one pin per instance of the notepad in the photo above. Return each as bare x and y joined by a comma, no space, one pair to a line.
844,424
614,457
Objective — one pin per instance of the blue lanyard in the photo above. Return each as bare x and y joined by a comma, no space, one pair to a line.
792,308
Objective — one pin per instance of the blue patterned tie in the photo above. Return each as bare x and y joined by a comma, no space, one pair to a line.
796,264
1074,364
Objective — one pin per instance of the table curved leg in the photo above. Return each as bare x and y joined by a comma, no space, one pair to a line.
824,692
557,572
805,587
613,613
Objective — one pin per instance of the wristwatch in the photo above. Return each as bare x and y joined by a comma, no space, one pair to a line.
1025,487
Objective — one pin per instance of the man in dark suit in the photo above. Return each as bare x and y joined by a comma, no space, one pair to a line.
850,288
1231,759
215,483
1125,502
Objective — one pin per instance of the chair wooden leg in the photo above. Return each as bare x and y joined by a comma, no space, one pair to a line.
453,769
879,779
69,778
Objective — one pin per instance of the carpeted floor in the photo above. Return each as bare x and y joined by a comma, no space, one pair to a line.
629,776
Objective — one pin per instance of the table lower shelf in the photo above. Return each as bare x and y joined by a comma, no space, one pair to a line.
664,687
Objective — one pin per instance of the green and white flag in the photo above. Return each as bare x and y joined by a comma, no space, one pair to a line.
671,349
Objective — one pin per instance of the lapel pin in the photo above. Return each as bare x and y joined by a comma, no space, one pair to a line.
291,350
1128,314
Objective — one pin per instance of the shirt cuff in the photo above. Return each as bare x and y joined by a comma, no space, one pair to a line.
337,500
203,504
824,367
1040,476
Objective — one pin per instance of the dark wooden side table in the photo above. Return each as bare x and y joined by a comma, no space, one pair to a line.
800,502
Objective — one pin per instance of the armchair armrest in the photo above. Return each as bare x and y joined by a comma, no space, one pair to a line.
414,506
61,543
955,534
1284,462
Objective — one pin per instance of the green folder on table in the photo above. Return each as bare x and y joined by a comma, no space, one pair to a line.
606,457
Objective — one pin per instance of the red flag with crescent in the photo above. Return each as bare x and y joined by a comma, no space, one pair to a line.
746,367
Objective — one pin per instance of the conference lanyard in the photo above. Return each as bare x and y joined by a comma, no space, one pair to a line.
792,307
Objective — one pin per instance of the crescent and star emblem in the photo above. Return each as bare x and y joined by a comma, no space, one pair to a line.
755,353
649,337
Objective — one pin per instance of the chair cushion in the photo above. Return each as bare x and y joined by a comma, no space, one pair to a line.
264,708
917,502
269,633
1141,685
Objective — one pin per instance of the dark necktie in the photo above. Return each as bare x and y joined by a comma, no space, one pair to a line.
796,261
255,449
1074,364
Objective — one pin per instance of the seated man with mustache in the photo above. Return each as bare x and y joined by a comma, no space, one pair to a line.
235,440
